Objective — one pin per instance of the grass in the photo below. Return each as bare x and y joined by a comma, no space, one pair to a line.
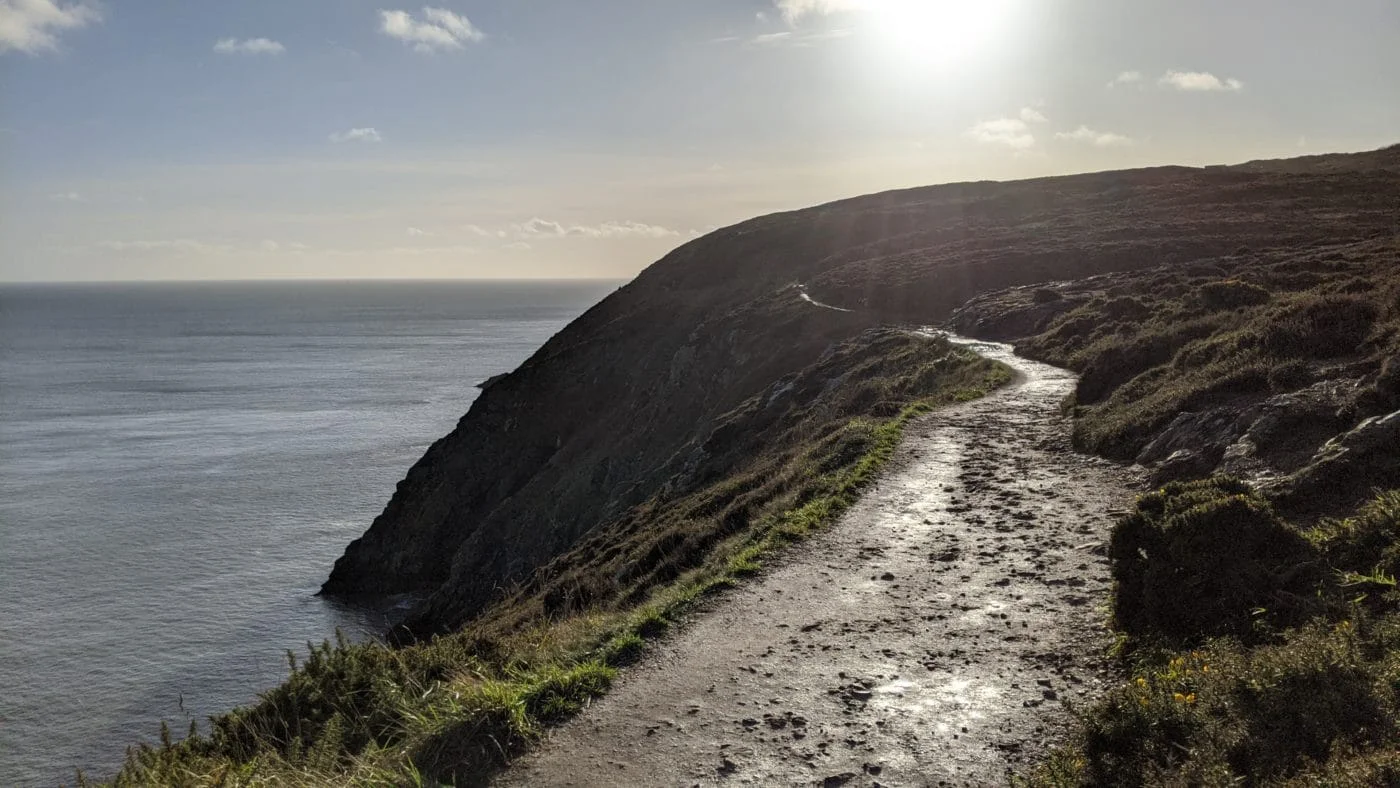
454,708
1307,698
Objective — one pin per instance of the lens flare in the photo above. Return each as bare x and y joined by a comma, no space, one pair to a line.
937,30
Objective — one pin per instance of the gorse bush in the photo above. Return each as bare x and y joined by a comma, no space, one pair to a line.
1263,702
1364,551
1207,559
1232,294
1320,326
1224,713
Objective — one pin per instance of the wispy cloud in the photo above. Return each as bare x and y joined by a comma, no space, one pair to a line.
1126,78
183,245
793,11
414,232
1011,132
544,228
1032,115
798,39
433,30
67,197
32,26
1199,81
478,230
1101,139
249,46
357,135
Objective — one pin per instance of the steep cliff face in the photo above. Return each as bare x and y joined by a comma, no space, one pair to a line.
605,415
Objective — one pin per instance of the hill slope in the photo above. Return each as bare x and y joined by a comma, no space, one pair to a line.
624,411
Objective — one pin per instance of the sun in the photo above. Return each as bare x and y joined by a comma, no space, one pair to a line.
937,30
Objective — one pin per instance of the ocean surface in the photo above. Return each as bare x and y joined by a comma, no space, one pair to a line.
180,465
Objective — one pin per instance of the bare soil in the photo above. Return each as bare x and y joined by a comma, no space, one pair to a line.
937,634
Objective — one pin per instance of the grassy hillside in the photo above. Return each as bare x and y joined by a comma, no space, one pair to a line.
1248,364
649,373
455,707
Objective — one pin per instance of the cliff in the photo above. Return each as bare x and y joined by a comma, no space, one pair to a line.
613,415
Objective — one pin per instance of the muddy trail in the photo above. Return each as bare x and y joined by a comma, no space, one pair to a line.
935,635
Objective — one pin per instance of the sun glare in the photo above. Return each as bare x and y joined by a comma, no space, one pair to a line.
937,30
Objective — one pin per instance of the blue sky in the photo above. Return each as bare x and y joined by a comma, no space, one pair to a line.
154,139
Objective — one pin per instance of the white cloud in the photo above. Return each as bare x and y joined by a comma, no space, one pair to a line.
478,230
437,29
790,38
250,46
1032,115
181,245
357,135
32,26
1102,139
794,10
544,228
1126,78
624,230
270,246
414,232
1011,132
1199,81
67,197
538,226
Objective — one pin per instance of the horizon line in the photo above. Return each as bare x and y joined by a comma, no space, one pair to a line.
310,280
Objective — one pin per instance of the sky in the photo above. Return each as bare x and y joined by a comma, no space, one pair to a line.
194,139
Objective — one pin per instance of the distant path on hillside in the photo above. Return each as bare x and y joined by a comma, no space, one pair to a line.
929,637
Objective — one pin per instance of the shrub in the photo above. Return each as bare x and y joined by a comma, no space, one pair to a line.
1232,294
1319,327
1043,295
1225,714
1126,308
1206,559
1364,550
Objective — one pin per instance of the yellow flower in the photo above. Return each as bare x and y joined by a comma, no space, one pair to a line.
1142,682
1178,697
1191,698
1205,668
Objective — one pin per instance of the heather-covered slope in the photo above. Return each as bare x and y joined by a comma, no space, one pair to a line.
614,412
1280,366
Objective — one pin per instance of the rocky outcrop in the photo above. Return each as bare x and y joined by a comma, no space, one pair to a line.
606,414
1366,456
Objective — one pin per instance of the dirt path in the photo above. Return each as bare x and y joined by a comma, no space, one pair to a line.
931,637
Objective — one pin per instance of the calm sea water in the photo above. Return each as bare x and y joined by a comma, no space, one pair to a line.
180,465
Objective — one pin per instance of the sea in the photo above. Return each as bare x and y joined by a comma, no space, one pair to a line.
180,466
